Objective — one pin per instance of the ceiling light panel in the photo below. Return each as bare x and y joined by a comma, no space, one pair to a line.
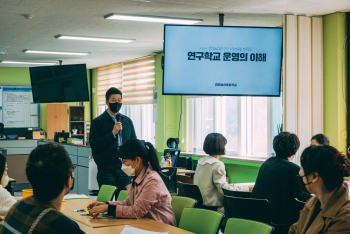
80,38
156,19
32,63
55,52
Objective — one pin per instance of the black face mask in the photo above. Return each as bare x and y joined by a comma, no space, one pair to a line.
115,107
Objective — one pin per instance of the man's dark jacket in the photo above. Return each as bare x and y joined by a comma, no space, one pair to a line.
103,143
278,183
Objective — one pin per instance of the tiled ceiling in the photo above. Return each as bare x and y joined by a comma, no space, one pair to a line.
85,18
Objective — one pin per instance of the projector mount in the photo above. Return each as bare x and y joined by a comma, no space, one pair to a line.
221,20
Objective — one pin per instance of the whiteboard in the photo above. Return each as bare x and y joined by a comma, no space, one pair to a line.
17,109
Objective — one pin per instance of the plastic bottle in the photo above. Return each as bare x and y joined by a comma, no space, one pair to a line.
163,163
168,160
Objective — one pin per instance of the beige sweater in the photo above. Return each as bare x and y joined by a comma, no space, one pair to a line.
6,201
211,179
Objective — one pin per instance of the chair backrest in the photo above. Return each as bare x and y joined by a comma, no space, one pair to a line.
106,193
174,155
184,162
168,175
236,193
248,208
300,204
180,203
297,207
192,191
123,195
200,221
244,226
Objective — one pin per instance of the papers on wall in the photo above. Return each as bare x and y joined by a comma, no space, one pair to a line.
131,230
17,109
77,196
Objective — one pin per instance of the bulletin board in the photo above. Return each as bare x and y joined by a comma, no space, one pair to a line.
17,109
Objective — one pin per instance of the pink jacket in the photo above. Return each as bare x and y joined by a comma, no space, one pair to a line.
148,197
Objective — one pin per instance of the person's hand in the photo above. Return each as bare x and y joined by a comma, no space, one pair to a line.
92,205
94,212
118,126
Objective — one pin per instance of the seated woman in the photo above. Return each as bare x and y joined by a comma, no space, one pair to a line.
277,179
322,170
210,172
319,139
6,199
148,195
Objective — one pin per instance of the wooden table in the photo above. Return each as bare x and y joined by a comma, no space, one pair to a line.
250,185
152,225
182,171
88,230
76,204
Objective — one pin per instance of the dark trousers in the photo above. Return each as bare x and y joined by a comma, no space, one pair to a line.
115,177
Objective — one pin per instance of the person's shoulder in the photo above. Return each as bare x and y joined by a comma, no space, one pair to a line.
153,175
293,167
63,224
4,193
100,117
126,118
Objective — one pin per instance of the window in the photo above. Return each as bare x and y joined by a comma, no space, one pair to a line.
248,123
136,80
142,117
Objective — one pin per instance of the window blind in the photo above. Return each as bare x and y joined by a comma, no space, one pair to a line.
138,80
107,77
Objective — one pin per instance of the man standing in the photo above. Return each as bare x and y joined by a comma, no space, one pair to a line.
108,132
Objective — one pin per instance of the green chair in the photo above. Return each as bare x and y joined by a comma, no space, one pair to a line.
200,221
245,226
172,194
123,195
106,193
179,204
193,191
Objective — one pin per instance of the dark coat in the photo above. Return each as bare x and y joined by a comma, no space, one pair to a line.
103,143
278,183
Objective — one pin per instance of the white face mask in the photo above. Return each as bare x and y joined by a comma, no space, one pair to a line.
129,170
5,180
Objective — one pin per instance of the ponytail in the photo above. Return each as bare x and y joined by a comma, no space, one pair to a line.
152,157
137,148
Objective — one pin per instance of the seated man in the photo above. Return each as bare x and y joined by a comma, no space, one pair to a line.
50,172
277,180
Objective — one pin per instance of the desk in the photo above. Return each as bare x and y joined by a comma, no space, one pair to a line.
150,226
184,171
180,171
76,204
88,230
249,185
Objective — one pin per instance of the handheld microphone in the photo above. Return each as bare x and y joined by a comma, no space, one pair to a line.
119,119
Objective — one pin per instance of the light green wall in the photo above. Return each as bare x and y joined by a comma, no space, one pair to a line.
335,124
169,110
94,93
20,76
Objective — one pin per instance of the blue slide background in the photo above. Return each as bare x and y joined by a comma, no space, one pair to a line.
183,76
